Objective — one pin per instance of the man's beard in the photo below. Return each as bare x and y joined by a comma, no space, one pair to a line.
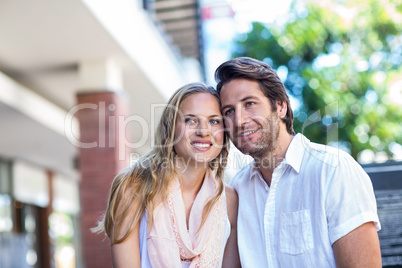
266,144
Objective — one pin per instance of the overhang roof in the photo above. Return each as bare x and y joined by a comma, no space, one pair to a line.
180,20
42,44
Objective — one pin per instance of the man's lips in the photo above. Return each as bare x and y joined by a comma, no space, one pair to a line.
247,133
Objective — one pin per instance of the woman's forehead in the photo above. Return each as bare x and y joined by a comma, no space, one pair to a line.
200,103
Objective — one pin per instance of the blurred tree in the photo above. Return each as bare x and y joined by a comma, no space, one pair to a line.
341,63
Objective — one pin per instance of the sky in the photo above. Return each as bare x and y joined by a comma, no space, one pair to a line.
221,28
219,32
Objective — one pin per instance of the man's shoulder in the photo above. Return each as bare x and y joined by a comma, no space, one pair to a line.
328,155
241,176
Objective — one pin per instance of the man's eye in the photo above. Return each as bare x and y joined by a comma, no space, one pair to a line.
229,112
250,103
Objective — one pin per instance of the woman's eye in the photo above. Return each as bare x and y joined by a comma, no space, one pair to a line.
214,121
228,112
189,120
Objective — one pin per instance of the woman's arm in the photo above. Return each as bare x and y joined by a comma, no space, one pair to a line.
231,257
127,253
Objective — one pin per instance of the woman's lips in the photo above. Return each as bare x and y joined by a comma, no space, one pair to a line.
201,145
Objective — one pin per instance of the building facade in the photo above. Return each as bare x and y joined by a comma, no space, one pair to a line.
82,85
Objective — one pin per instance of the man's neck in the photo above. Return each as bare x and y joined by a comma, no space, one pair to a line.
271,159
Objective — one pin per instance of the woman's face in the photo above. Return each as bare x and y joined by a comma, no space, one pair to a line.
199,130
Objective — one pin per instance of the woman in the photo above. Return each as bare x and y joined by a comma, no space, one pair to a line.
172,208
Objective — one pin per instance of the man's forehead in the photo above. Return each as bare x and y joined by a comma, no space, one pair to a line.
241,91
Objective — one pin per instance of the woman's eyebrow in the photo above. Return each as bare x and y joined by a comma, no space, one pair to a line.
209,116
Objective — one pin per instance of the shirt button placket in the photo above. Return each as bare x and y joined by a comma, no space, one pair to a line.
270,215
268,223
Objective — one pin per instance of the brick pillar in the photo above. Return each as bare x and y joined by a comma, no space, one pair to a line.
46,258
98,165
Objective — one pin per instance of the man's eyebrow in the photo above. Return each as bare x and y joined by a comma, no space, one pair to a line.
242,100
247,98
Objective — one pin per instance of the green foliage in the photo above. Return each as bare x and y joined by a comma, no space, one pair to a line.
343,64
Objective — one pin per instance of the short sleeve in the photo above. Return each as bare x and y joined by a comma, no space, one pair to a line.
350,201
233,183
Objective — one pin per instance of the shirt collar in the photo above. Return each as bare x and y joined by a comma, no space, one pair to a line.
293,156
253,169
295,151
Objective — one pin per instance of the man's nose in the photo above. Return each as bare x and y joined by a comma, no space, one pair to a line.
240,117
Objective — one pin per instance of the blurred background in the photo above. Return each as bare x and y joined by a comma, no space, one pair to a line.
83,82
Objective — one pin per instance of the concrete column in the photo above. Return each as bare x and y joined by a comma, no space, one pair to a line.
100,106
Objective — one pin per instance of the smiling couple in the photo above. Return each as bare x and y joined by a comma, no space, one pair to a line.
299,204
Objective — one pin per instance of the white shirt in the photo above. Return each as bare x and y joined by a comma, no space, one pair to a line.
318,194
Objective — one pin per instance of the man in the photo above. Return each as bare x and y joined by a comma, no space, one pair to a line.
301,204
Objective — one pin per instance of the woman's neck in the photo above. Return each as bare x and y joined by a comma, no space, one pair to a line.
191,175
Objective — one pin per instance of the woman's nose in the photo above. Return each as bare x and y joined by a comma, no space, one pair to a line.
203,129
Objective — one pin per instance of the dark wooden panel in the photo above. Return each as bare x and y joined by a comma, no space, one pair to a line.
389,204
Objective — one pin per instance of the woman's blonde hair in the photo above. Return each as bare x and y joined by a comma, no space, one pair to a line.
140,188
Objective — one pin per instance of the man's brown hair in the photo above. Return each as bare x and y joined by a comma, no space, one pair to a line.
270,84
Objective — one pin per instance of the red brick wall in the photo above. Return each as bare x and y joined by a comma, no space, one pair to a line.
98,166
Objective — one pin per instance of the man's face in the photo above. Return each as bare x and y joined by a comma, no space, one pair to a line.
252,125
